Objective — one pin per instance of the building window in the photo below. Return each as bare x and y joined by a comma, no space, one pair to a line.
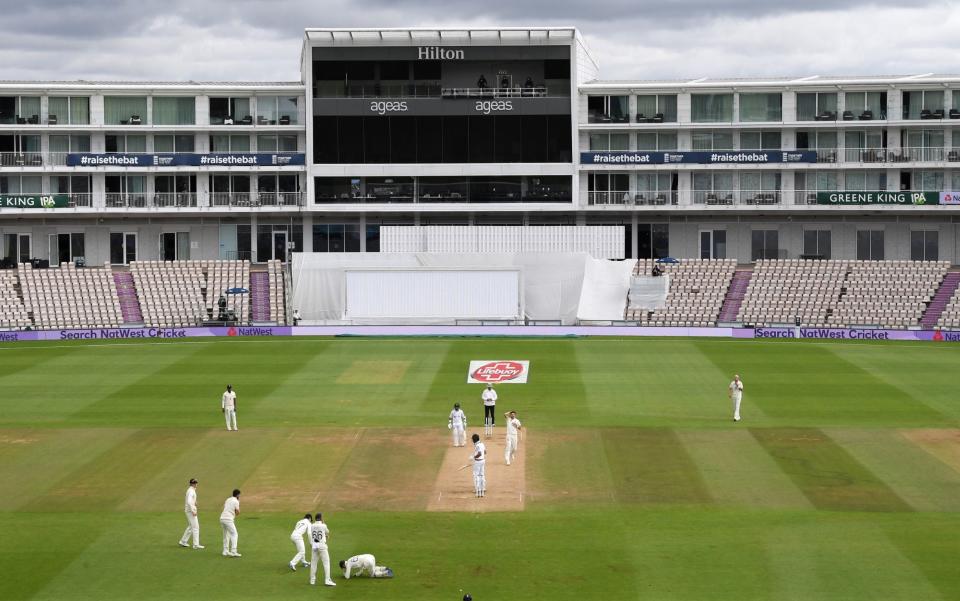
170,110
712,140
228,143
123,248
653,240
603,141
21,184
16,249
871,181
608,188
175,191
277,110
336,237
923,104
711,108
230,111
870,245
824,142
78,187
657,108
924,245
713,244
276,143
173,143
278,189
656,188
124,110
764,244
816,244
924,144
808,183
760,187
68,110
761,107
607,109
174,246
125,143
865,105
711,187
67,248
930,181
19,110
760,140
816,106
62,145
663,140
125,190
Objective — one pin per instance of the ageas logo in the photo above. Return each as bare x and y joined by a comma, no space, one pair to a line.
498,371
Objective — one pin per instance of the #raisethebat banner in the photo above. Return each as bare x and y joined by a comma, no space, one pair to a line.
498,372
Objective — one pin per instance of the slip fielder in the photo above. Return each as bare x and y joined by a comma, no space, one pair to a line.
193,524
228,404
302,527
231,509
319,535
457,423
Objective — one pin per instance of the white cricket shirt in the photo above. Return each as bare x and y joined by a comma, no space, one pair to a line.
482,449
512,425
229,400
318,535
457,418
230,507
736,388
190,500
301,528
489,397
357,564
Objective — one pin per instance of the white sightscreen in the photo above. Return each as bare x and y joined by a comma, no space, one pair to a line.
432,294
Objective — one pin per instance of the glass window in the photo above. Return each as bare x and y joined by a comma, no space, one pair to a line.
711,108
603,141
760,107
816,106
924,245
816,244
757,140
231,111
124,110
69,110
657,108
764,244
923,104
712,140
607,109
865,105
870,245
170,110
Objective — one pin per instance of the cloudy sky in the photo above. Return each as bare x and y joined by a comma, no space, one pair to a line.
632,39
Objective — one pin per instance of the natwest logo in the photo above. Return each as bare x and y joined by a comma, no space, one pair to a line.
507,372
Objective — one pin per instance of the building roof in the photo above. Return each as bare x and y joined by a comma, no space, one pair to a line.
87,84
778,81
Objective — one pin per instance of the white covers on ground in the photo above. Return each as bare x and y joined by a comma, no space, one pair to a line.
551,283
648,292
604,292
599,241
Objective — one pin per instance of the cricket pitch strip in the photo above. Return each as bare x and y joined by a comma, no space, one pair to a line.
506,484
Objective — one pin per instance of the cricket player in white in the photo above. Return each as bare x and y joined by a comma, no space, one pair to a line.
358,565
513,427
457,423
302,527
489,398
736,393
319,535
193,524
231,509
479,466
228,404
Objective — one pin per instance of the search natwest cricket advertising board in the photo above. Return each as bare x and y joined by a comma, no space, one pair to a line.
500,371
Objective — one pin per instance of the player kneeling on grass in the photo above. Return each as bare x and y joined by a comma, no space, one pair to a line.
319,535
364,565
302,527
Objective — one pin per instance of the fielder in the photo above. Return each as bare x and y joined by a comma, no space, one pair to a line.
457,423
366,564
513,427
319,535
228,404
735,393
193,524
231,509
479,465
302,527
489,398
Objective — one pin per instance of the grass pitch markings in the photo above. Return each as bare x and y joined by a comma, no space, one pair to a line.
942,443
826,473
905,466
651,466
738,471
569,466
374,372
506,484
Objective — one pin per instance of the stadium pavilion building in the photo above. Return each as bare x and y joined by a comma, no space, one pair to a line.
504,127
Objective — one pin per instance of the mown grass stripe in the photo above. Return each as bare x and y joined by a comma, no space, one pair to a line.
651,465
825,472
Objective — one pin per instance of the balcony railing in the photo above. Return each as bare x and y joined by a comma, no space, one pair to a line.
21,159
626,198
84,199
116,200
256,199
737,197
174,199
430,90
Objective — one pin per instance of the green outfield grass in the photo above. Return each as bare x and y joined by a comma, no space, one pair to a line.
841,483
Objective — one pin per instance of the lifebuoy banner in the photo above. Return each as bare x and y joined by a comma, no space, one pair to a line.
501,371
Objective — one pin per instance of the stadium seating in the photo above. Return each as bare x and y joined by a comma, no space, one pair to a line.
950,318
67,297
13,315
697,290
222,275
891,294
783,289
170,292
278,303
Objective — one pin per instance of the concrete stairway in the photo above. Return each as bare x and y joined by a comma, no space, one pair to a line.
735,294
941,299
259,296
127,294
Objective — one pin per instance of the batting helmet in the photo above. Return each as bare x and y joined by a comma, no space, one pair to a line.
468,597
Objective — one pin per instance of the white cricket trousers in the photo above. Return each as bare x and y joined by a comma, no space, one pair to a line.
324,556
479,477
459,437
736,406
301,551
510,450
231,416
193,528
230,536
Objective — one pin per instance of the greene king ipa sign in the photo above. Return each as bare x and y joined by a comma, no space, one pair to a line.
34,201
498,372
879,198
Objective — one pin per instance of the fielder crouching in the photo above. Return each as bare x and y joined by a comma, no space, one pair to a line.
364,565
